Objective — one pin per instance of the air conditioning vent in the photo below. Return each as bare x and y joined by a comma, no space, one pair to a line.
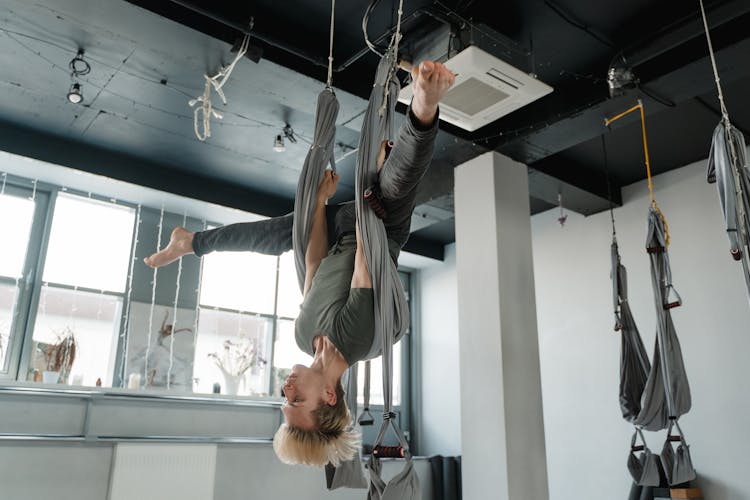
486,88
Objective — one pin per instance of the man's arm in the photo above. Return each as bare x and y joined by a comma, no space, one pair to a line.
317,244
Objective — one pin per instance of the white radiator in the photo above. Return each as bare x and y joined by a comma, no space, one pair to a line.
163,471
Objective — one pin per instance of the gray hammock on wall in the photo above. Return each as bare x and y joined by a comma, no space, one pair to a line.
391,309
727,167
653,395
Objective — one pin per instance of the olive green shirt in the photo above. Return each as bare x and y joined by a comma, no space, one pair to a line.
335,310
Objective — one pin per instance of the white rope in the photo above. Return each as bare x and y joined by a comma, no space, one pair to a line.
198,302
153,302
329,81
174,314
205,111
724,112
725,119
125,334
394,43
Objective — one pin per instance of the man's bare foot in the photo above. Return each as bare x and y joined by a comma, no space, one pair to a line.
180,243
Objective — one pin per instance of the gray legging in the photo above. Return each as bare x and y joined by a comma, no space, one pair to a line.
398,180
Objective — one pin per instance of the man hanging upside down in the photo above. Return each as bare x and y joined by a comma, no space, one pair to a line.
336,321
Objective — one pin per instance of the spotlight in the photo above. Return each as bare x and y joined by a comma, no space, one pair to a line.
75,95
278,144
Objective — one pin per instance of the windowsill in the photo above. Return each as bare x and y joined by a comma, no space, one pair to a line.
35,412
87,392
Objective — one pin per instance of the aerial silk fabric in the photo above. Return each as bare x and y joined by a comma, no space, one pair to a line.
348,474
316,161
652,396
678,466
730,173
644,468
667,392
634,362
391,310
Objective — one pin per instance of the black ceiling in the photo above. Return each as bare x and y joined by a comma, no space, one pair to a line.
148,58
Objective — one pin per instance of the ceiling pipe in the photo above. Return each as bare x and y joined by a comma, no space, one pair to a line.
248,30
302,54
681,31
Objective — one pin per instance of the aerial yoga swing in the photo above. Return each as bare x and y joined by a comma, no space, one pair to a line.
727,167
654,395
385,190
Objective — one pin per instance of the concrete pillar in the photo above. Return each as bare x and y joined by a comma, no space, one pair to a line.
502,430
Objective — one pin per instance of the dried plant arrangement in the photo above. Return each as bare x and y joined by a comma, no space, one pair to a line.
59,357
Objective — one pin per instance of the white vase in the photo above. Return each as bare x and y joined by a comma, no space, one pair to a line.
49,377
231,383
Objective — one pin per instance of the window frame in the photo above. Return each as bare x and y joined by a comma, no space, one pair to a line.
31,283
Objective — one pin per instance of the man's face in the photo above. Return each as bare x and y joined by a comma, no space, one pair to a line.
304,390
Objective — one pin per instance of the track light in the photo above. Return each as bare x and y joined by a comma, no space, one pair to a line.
78,67
75,95
278,144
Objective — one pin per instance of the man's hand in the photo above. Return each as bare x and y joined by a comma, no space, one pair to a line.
328,185
431,80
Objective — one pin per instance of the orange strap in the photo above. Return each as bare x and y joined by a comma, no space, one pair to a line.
607,122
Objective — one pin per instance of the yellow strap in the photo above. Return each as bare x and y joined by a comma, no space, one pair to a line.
607,122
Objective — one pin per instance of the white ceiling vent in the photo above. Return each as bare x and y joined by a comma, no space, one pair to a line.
486,88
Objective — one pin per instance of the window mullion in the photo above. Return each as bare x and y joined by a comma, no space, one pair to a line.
34,268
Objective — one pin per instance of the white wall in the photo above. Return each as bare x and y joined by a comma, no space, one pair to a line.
587,441
440,418
579,350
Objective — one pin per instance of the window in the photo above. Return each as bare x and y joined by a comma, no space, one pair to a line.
77,320
78,307
62,284
236,323
245,342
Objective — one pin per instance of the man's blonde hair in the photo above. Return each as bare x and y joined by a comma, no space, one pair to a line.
332,440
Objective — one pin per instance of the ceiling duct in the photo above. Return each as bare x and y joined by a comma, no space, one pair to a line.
485,89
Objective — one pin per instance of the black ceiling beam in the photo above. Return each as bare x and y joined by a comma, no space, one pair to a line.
682,30
717,112
66,152
425,247
577,124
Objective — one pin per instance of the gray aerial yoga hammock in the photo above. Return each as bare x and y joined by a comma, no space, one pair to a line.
391,309
652,396
318,157
348,474
727,166
634,363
